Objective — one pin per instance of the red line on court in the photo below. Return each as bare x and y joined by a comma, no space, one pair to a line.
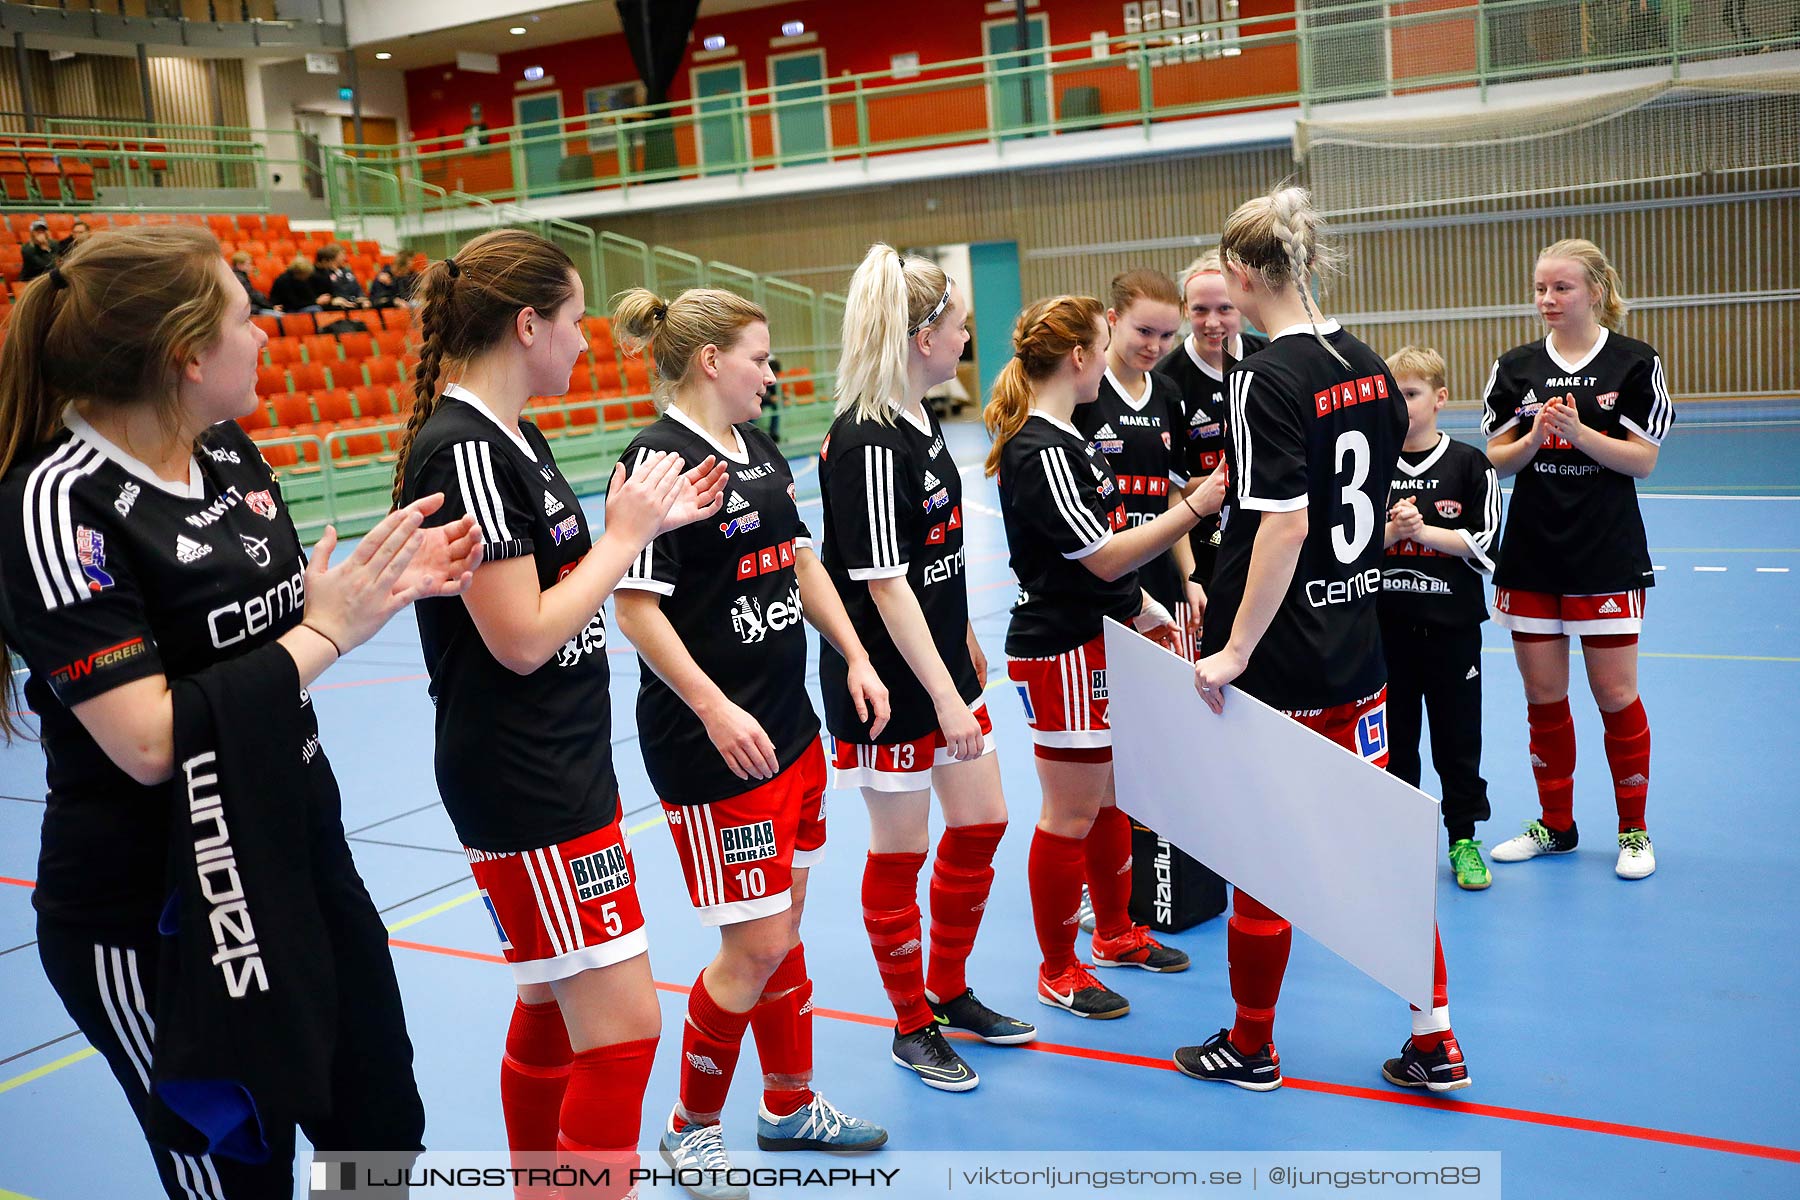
1523,1115
24,883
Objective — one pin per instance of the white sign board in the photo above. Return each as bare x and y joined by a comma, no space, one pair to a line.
321,64
477,62
1336,845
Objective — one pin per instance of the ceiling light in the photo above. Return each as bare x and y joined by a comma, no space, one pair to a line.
793,28
383,55
715,42
517,31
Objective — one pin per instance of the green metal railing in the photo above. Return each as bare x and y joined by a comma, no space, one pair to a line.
1317,55
432,195
804,326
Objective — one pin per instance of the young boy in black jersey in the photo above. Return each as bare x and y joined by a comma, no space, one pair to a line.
1441,526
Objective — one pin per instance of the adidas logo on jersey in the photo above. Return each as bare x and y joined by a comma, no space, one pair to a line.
911,946
932,482
1104,432
1638,780
1530,402
552,505
703,1064
736,504
1472,674
1610,608
187,550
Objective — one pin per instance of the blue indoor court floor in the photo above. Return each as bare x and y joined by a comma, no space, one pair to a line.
1625,1039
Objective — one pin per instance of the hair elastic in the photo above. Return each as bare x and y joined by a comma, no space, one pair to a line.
660,313
57,278
451,266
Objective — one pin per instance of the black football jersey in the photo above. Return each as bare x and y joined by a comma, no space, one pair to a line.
1454,487
729,588
523,761
893,508
1305,432
1060,503
1573,528
1202,427
1136,435
113,575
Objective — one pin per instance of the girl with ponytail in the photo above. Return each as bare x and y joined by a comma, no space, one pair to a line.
139,530
519,681
729,740
893,544
1313,436
1579,417
1076,558
1197,366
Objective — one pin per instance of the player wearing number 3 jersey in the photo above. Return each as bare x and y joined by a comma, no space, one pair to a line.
1313,434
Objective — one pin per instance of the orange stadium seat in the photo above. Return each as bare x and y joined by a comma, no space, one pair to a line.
334,405
293,408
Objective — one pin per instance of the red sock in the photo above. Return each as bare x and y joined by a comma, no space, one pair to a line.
1628,754
890,902
1257,941
960,882
533,1073
710,1040
1108,850
1440,999
603,1110
1553,761
1054,872
782,1024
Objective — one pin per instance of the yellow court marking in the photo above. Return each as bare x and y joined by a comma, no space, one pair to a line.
40,1072
6,1195
433,911
652,823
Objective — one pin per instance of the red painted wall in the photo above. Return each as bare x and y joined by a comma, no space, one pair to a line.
856,38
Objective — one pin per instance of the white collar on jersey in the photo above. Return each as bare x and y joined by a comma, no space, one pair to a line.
1060,424
1574,368
196,483
1425,465
457,391
1236,350
1135,405
740,456
921,423
1326,327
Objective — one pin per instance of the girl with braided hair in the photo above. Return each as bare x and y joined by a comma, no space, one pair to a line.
1076,558
1314,432
519,681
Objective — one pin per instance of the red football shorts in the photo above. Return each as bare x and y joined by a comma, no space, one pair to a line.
739,853
1569,616
902,766
1065,702
1359,727
563,909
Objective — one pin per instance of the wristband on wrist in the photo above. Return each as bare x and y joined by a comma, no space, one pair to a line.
339,650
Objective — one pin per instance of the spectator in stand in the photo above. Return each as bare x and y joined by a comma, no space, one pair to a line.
393,284
340,289
39,252
240,267
299,289
77,235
